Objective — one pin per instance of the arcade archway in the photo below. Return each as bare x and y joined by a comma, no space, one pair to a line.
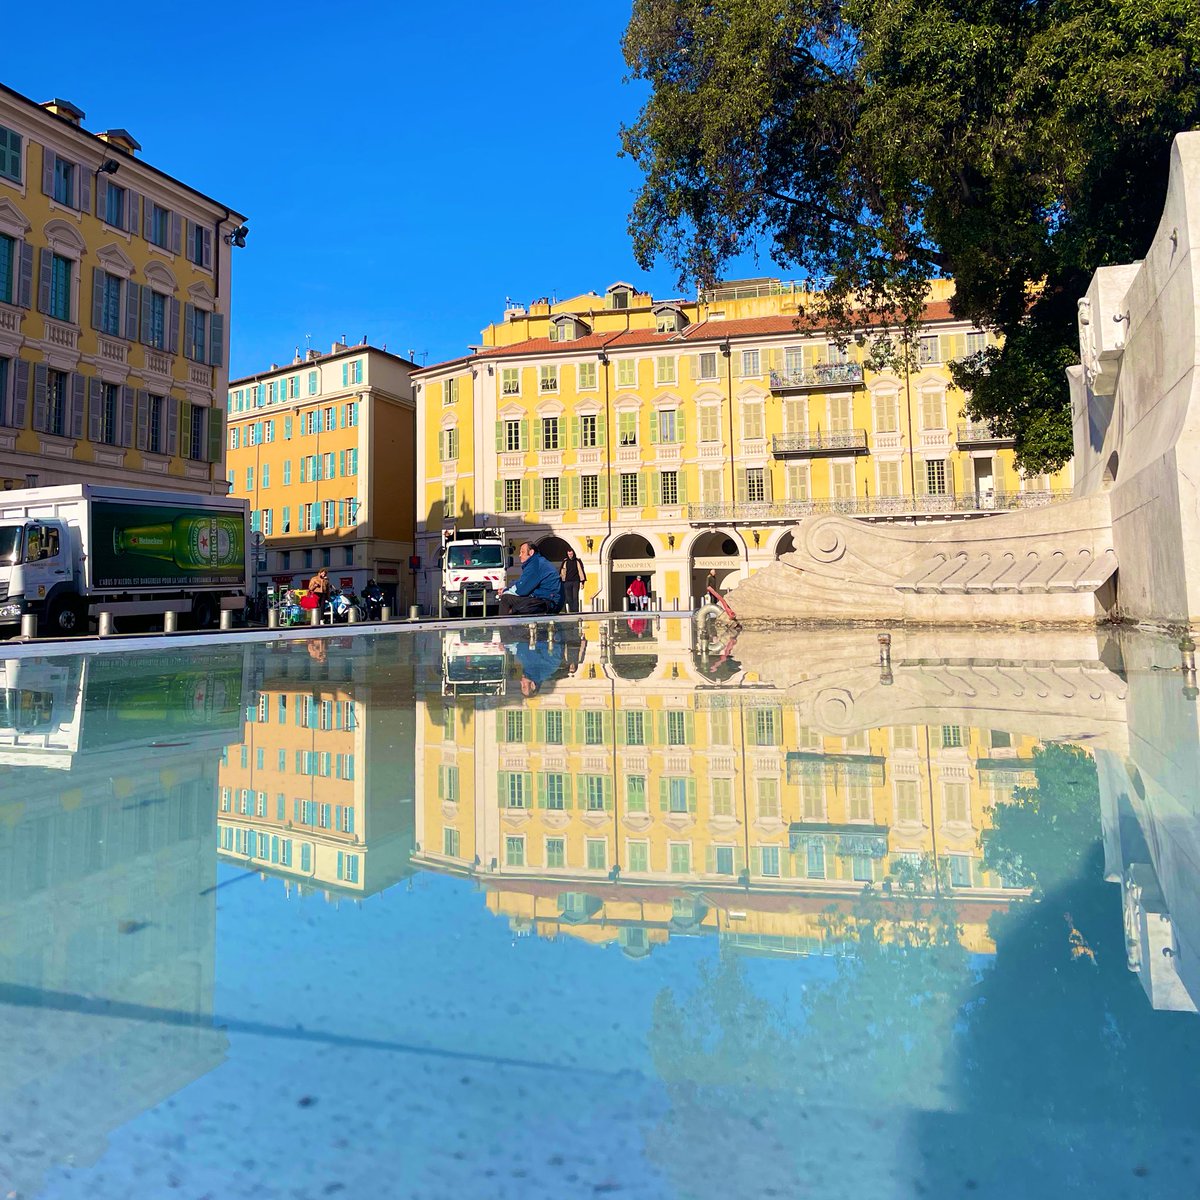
631,556
715,557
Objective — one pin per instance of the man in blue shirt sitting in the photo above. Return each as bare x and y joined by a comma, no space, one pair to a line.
539,590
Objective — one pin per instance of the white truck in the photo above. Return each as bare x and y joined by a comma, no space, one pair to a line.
474,663
473,570
69,553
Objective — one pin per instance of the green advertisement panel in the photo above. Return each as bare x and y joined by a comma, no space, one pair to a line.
165,545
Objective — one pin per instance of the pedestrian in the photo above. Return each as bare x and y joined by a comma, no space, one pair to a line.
539,590
710,582
320,586
639,597
573,575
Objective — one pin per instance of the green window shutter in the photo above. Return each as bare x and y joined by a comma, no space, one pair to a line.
710,860
653,426
441,445
539,726
526,490
768,489
568,791
606,727
528,785
691,793
664,802
524,434
739,860
574,433
606,786
621,729
502,798
679,426
643,486
573,491
656,488
537,435
441,782
683,491
602,489
739,491
775,360
216,434
689,727
662,728
600,428
541,789
499,506
499,436
755,861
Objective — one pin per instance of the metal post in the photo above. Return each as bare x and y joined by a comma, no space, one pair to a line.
170,622
464,603
414,612
226,618
550,635
385,612
105,624
626,605
675,604
352,615
314,616
532,634
29,625
272,617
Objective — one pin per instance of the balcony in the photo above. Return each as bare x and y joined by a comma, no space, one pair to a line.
975,434
815,445
786,512
821,376
66,336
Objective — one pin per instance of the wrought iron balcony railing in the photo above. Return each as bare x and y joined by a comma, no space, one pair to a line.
753,512
822,375
801,445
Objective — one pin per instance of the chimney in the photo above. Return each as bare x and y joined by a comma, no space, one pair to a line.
64,108
122,139
311,355
338,346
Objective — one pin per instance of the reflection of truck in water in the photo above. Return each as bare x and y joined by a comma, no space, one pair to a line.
71,552
474,663
55,708
473,570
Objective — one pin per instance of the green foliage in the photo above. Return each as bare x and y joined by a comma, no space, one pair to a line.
1013,144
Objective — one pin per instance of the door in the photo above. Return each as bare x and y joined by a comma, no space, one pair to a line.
985,483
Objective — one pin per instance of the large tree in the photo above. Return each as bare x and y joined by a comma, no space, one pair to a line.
1015,145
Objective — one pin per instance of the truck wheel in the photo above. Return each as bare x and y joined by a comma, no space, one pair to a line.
66,617
203,613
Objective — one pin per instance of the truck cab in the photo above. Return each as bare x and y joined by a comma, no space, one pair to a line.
474,663
474,570
37,575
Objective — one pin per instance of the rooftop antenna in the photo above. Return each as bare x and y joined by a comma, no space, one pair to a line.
308,341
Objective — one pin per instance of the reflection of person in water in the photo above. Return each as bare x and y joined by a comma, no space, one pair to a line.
574,648
638,626
539,663
317,650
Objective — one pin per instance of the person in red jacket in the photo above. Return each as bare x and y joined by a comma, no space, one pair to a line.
639,597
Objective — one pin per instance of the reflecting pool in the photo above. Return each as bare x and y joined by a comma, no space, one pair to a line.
591,908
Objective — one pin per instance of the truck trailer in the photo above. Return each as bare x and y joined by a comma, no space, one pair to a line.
69,553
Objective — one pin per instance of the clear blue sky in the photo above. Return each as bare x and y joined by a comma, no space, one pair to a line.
404,166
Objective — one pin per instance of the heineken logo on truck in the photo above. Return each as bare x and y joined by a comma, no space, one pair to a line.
192,543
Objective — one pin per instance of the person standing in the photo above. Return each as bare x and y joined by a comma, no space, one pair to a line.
539,590
573,575
639,596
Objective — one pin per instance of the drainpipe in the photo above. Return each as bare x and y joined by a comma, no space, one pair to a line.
912,468
610,446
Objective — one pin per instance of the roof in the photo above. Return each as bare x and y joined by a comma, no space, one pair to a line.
106,148
309,363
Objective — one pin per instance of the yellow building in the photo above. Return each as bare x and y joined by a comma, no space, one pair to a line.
114,309
324,451
653,792
668,439
319,792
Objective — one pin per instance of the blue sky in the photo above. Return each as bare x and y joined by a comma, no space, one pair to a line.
404,167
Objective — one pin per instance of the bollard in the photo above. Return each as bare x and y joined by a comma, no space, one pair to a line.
272,617
314,616
226,618
105,625
414,612
626,604
532,634
29,625
550,635
170,622
675,604
352,615
385,613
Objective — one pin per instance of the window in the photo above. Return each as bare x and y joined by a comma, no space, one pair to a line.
64,182
56,397
707,365
667,425
510,381
889,479
935,476
450,393
677,795
554,728
933,411
154,319
710,423
908,802
160,226
976,342
858,802
588,431
752,422
627,428
629,489
768,799
106,312
840,414
815,860
904,737
555,791
797,481
586,376
449,445
514,851
589,491
548,379
722,860
593,728
862,868
886,413
766,727
664,370
594,793
450,843
512,495
10,154
8,261
60,287
512,436
114,206
155,433
669,487
635,793
109,413
951,736
756,491
550,433
680,858
197,335
638,857
627,373
352,372
750,364
928,350
198,243
449,500
597,854
677,728
722,797
556,852
550,495
958,808
841,476
635,728
960,870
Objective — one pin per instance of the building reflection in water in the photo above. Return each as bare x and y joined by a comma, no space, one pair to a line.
107,898
647,789
320,792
